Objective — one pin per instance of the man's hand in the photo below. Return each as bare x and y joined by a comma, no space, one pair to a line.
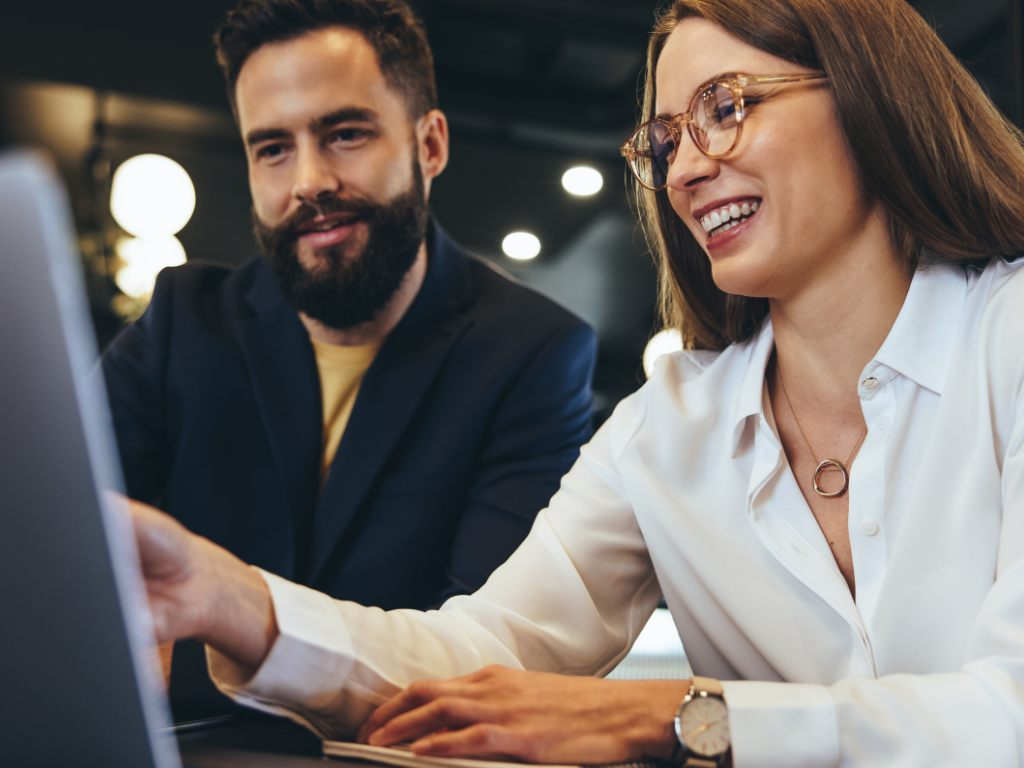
532,716
197,589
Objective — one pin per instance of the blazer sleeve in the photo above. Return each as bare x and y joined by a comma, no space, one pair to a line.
532,441
134,369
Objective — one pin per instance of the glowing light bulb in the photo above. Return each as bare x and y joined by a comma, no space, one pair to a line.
521,245
151,196
144,258
582,181
662,343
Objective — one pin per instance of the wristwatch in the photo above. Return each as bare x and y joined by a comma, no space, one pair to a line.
702,725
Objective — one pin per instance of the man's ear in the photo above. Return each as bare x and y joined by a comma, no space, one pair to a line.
432,142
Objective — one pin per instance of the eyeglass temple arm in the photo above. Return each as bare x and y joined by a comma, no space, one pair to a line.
749,79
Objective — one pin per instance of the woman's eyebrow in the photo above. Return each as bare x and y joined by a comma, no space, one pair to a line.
696,89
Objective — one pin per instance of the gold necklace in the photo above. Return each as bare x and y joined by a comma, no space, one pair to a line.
828,465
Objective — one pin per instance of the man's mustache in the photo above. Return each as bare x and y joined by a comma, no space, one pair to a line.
287,230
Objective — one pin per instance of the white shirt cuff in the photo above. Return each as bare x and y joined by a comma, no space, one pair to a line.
303,674
781,725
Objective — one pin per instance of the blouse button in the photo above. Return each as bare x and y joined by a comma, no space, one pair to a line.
869,527
883,422
870,383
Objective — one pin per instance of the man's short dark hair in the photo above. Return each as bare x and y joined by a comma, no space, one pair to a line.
389,26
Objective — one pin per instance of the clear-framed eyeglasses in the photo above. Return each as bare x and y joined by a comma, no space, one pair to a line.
714,122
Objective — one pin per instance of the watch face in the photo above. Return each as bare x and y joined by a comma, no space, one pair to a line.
704,726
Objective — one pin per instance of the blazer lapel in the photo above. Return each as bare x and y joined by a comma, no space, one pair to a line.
392,391
286,384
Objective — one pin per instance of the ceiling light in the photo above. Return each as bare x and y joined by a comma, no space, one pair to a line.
662,343
520,245
143,259
152,196
582,181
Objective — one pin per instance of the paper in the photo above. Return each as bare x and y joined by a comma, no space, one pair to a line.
402,756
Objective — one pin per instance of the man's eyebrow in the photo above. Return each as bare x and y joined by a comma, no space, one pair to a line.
265,134
343,115
346,115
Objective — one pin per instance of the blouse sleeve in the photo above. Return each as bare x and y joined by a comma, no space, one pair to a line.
571,599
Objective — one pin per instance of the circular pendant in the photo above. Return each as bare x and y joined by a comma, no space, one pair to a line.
826,464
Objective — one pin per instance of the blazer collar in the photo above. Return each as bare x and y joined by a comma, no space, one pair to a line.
285,381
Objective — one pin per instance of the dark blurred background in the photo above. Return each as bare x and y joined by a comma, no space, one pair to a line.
531,88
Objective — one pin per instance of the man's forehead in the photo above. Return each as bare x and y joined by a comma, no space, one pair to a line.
312,75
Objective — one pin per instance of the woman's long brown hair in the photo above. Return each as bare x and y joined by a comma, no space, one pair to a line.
927,142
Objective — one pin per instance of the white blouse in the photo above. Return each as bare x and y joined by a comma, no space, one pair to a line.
686,493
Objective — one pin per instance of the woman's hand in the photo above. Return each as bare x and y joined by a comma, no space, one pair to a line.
533,716
197,589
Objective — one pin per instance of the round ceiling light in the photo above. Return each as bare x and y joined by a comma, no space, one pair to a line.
521,245
151,196
662,343
143,259
582,181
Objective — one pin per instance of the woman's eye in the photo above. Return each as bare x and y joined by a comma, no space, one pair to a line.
725,111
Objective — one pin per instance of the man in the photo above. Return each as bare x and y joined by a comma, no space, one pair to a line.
366,409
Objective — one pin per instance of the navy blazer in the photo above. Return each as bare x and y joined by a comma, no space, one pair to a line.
474,408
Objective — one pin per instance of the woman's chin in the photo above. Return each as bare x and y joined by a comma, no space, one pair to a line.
738,277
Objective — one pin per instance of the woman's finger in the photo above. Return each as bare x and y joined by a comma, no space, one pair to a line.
446,712
479,740
407,699
416,695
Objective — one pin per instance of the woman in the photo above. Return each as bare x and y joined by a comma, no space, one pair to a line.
827,489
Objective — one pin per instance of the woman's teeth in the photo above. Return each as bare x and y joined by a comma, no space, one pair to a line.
727,217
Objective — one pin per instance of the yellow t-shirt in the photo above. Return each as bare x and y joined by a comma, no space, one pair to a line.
341,372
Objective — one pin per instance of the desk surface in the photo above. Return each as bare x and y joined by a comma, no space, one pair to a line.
254,743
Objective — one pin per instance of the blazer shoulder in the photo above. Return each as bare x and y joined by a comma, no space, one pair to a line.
214,293
502,297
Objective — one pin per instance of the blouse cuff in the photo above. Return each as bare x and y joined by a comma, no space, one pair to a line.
781,725
308,662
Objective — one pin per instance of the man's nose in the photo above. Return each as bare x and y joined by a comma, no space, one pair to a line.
314,177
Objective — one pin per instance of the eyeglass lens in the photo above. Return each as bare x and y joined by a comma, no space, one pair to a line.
713,127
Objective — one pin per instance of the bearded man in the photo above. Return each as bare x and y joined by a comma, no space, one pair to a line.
364,409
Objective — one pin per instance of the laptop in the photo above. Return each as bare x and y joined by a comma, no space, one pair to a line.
78,682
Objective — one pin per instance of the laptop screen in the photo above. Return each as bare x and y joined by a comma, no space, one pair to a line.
77,681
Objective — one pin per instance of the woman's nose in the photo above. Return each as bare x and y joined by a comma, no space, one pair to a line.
689,166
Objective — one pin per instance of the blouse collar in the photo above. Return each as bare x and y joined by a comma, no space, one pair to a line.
919,344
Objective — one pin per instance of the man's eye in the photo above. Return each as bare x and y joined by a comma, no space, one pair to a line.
348,135
270,151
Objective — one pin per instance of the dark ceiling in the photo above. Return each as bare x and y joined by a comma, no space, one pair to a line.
531,87
531,71
555,73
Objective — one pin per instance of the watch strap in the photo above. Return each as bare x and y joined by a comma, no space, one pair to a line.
709,684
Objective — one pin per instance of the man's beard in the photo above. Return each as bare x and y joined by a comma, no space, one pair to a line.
343,292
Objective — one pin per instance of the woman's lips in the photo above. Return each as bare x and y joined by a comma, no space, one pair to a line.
330,237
